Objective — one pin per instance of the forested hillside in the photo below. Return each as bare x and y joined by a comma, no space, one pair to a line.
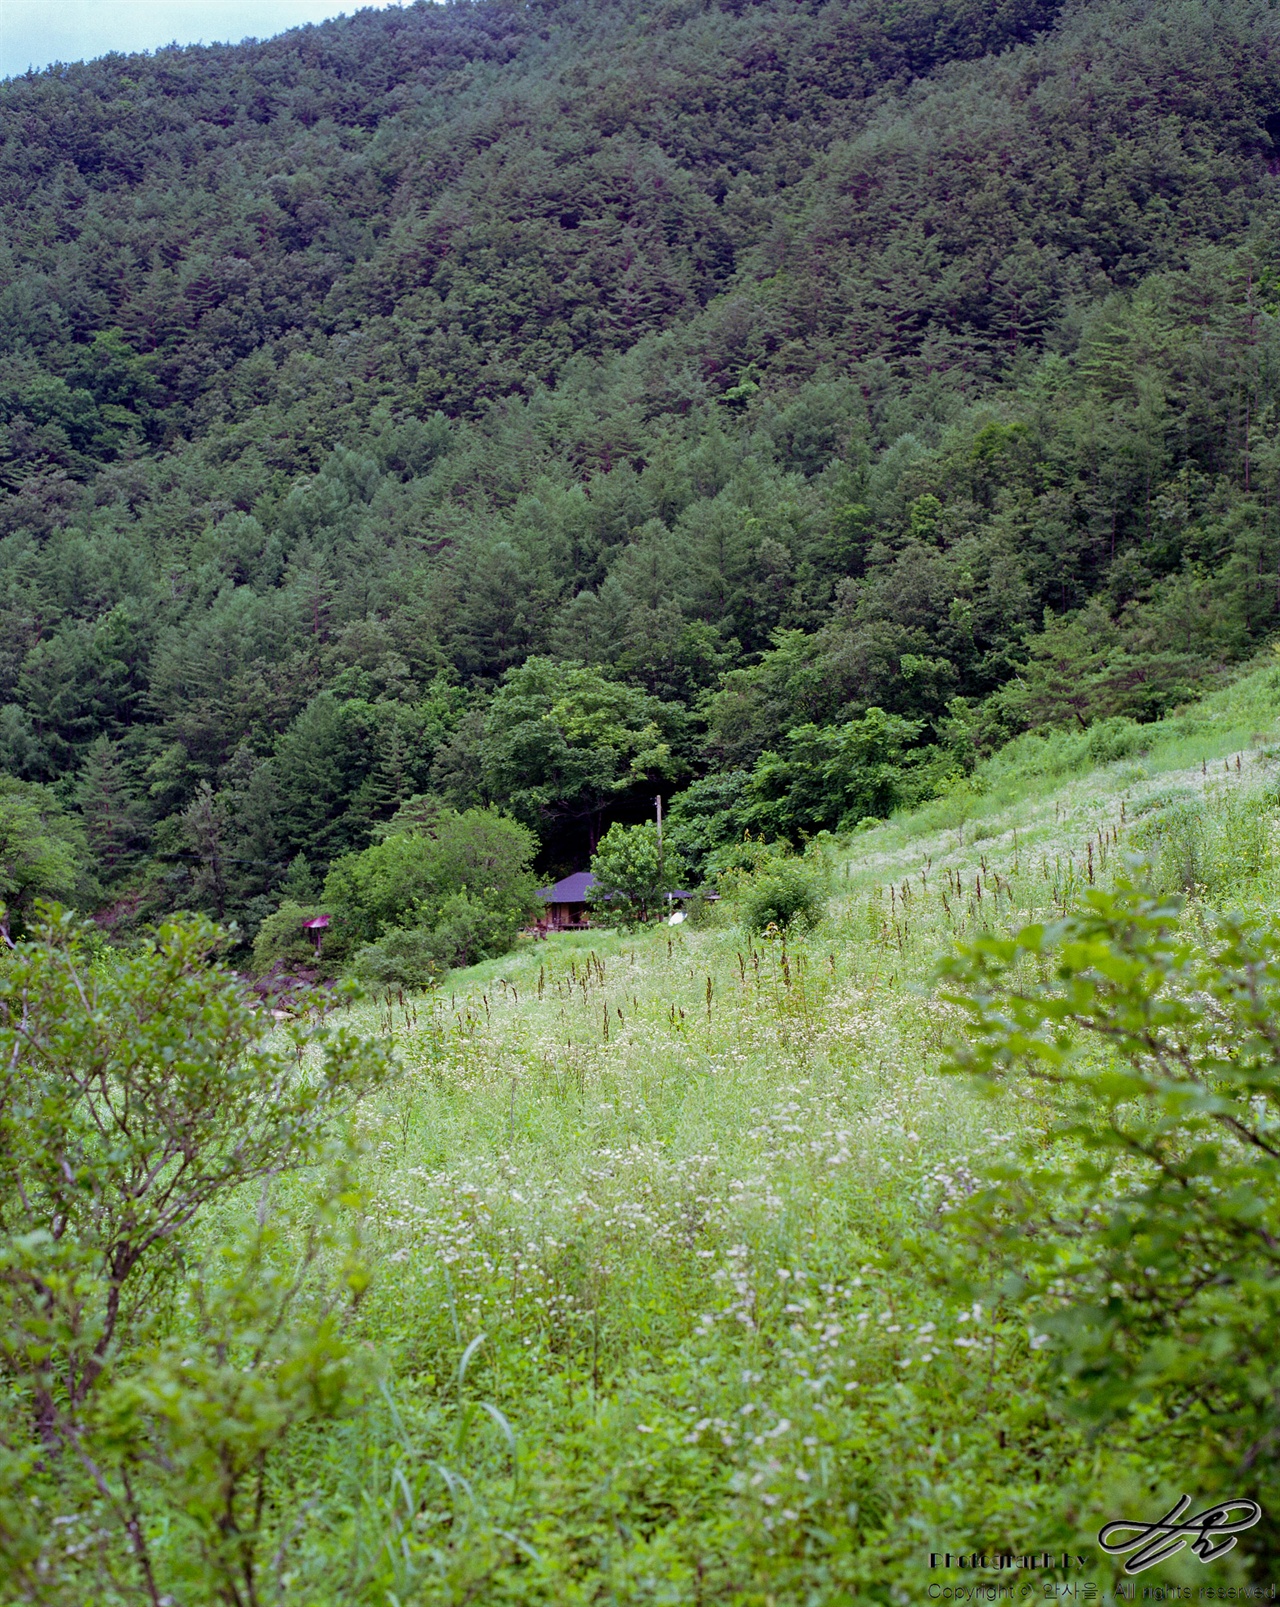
773,405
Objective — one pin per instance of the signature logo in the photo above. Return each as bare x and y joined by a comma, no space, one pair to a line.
1212,1533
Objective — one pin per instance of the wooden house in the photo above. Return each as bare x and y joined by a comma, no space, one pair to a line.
566,903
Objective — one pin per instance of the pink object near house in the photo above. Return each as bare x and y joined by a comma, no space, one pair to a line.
316,926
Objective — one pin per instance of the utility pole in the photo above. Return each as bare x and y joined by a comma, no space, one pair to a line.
658,803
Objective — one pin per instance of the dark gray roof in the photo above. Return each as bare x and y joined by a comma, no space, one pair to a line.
569,889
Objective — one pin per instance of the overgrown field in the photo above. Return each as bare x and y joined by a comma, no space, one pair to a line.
666,1304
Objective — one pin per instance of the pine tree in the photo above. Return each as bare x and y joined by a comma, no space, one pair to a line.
114,816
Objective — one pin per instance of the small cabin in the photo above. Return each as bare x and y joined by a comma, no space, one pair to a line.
566,902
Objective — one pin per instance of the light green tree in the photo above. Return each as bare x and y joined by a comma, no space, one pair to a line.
831,777
42,852
633,873
464,876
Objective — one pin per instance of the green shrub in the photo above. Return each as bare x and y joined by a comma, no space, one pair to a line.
1116,738
146,1368
404,956
420,956
467,873
786,897
468,929
1141,1222
282,941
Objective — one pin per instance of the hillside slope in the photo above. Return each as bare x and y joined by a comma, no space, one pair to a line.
693,1190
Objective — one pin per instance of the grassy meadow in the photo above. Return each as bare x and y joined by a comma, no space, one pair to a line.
663,1306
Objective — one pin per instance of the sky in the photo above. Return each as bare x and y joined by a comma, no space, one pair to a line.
34,33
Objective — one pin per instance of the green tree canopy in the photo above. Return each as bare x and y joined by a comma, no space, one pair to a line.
465,874
831,777
633,873
562,742
42,852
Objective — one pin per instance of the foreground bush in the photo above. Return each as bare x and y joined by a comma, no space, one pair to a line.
1144,1223
148,1383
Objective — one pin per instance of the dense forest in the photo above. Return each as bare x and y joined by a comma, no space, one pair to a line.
770,406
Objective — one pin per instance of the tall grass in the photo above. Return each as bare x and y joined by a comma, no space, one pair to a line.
1218,847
